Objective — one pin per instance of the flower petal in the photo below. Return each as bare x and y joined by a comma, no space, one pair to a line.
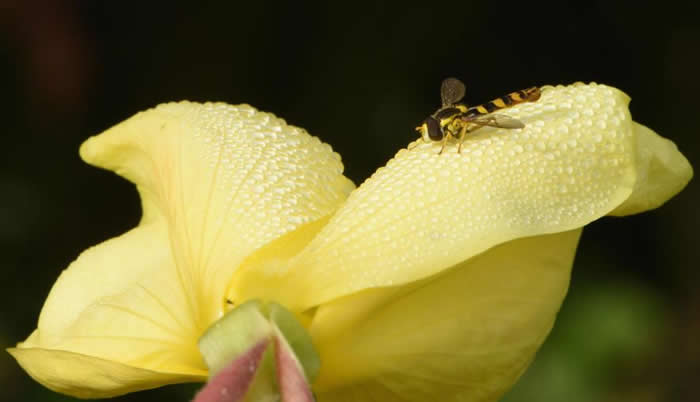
662,172
70,373
572,163
121,305
464,335
216,182
227,179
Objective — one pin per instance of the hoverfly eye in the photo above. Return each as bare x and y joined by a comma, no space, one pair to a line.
434,130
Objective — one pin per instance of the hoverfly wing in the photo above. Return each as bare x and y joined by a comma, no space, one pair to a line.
452,91
497,120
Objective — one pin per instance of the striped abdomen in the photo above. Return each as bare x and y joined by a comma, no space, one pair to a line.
512,99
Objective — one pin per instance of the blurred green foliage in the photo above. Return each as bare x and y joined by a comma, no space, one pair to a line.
605,330
359,77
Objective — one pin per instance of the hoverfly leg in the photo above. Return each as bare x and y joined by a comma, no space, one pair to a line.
444,144
462,134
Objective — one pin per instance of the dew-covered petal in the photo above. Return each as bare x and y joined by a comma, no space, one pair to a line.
574,162
227,179
465,335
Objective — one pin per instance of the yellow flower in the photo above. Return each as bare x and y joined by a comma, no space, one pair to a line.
437,279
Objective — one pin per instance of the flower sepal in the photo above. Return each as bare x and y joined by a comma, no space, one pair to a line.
258,352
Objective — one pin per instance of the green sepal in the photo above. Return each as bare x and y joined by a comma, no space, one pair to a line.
246,325
297,337
233,334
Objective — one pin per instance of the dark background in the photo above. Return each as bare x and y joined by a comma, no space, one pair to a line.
360,77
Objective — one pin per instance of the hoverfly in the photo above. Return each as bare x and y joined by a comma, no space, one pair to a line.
455,119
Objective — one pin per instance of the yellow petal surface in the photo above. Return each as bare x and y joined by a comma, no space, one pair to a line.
69,372
465,335
575,161
227,179
216,182
662,172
